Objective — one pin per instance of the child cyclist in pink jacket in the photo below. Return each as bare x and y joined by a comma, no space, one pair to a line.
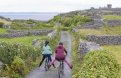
60,52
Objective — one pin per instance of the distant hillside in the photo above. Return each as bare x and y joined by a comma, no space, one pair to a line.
93,11
6,21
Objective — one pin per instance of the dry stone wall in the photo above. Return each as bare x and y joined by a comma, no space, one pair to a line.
113,22
105,40
21,33
94,25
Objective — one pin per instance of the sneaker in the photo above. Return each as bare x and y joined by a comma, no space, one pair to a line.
49,66
54,65
71,66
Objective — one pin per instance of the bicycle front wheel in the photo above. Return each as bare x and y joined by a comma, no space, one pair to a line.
60,70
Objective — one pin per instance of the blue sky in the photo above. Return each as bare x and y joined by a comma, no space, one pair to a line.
53,5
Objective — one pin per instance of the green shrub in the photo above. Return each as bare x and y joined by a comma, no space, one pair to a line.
68,21
65,28
28,56
30,24
17,68
1,24
9,50
75,55
99,64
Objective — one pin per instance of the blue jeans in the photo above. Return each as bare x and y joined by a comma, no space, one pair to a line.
45,56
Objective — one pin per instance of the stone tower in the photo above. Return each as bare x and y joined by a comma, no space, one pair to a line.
109,6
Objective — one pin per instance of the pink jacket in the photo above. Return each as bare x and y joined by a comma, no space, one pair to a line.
60,52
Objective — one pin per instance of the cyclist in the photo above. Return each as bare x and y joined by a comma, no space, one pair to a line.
60,55
47,52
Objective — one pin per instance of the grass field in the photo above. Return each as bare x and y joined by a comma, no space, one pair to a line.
2,30
102,31
27,40
112,17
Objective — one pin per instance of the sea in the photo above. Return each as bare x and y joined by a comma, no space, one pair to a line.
41,16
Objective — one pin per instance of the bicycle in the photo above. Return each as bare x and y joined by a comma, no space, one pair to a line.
46,64
61,69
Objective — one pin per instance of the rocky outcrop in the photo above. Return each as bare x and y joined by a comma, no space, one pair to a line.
1,64
7,26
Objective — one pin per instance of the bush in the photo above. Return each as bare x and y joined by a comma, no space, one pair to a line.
19,59
17,67
9,50
30,24
99,64
68,21
1,24
65,28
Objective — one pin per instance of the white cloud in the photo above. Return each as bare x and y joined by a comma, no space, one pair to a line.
52,5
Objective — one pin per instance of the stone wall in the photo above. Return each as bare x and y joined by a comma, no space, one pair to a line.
105,40
21,33
94,24
113,22
52,34
12,35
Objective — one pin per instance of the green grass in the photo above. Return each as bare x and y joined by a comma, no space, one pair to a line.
116,51
26,25
2,30
77,58
27,40
112,17
102,31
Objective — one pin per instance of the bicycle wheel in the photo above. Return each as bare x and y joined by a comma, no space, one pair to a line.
60,70
46,65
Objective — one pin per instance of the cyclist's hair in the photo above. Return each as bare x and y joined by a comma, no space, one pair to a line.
60,43
46,43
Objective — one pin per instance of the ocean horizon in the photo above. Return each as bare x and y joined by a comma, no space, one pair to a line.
41,16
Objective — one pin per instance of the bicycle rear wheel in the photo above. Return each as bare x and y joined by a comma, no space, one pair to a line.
46,65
